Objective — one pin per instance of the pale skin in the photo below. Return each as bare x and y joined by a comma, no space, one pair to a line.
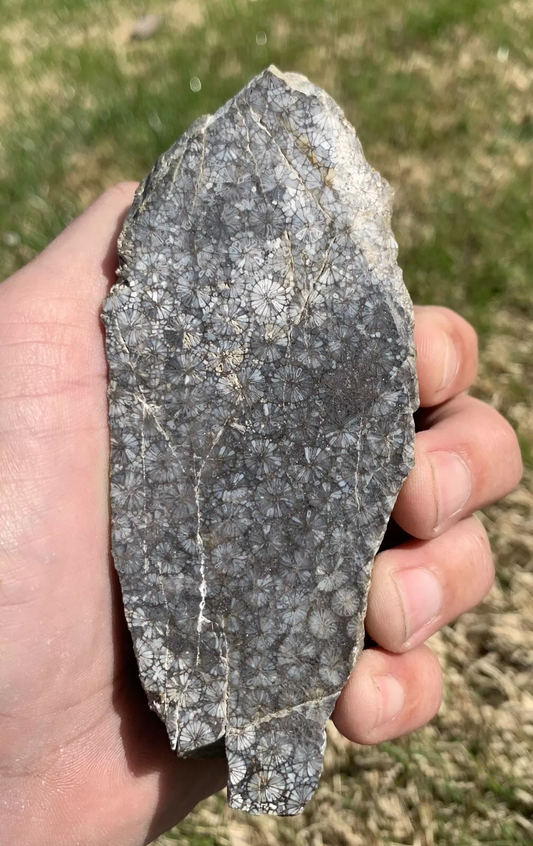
82,758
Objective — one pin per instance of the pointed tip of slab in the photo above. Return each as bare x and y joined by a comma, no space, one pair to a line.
294,80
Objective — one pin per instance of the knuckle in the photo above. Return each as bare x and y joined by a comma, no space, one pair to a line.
505,444
426,688
471,335
480,554
456,322
433,672
435,682
384,619
466,329
466,341
416,508
448,353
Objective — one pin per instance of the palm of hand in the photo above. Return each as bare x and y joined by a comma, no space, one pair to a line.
76,735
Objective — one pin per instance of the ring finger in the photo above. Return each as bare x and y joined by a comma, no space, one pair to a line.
421,585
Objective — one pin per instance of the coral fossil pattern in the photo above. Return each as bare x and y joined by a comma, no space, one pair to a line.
262,387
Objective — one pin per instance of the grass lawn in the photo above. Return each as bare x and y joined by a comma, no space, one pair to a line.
441,94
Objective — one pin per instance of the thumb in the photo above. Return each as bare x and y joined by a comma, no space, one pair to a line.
50,329
80,263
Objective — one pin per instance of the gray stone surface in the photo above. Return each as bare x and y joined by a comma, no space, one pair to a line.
262,386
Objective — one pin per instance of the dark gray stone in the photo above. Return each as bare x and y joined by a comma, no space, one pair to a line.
262,389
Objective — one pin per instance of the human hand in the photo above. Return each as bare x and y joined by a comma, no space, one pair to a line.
82,757
466,456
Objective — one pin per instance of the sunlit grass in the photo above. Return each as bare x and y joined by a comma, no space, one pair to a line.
81,98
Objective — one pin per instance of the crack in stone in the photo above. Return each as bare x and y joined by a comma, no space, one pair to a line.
200,542
282,153
284,712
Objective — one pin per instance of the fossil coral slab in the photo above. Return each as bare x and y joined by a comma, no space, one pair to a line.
262,387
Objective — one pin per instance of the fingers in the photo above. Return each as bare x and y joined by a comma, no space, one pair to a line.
420,586
468,457
416,588
447,354
389,695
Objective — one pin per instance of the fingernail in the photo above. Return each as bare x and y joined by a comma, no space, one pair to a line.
451,362
390,697
452,483
421,597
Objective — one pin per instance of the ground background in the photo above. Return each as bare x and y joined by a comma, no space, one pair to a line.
441,93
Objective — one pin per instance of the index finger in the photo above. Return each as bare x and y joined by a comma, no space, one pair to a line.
447,354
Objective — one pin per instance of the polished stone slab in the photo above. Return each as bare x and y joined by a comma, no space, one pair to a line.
261,398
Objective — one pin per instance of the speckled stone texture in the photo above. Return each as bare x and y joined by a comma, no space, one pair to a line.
262,389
